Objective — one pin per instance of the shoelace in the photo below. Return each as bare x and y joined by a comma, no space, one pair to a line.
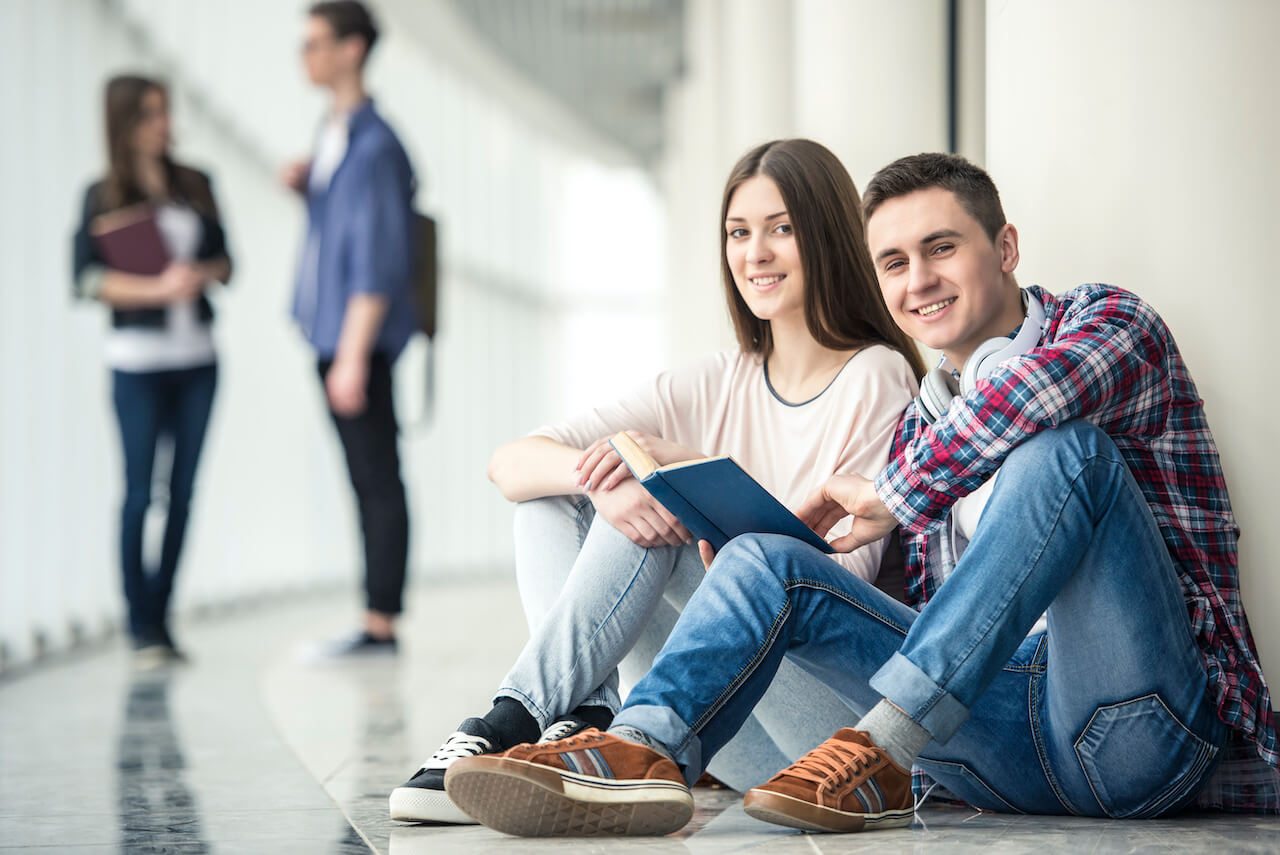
579,739
457,746
557,731
833,763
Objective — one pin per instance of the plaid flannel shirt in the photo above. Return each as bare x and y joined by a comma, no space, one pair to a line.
1107,357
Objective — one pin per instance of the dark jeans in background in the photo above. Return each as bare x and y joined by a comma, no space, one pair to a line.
369,442
174,404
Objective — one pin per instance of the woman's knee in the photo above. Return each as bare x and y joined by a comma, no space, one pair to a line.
540,517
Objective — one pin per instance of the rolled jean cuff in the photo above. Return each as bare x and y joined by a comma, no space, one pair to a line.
914,692
662,725
539,715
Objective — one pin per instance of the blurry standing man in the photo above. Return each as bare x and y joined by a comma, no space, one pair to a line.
352,299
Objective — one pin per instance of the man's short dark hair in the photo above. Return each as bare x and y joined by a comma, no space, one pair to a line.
348,18
971,185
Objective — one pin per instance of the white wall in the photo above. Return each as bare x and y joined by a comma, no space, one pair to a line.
1135,143
273,511
837,71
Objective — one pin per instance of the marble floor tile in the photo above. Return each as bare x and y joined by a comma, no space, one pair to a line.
246,750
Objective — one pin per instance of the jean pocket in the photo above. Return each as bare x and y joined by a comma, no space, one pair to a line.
1140,759
966,785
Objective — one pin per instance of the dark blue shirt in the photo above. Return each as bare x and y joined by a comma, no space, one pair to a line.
362,228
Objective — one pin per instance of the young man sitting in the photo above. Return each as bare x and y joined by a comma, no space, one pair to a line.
1079,645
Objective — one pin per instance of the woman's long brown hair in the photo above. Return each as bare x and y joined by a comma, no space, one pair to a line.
124,96
843,306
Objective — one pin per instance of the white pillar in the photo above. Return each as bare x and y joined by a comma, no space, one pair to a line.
870,79
756,102
1135,143
692,176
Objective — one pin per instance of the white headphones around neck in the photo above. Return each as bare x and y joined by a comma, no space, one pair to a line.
939,387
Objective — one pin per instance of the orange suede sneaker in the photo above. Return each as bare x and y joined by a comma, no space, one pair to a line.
845,784
591,784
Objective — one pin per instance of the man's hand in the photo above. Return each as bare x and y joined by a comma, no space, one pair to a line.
632,511
293,176
602,468
345,385
706,553
840,497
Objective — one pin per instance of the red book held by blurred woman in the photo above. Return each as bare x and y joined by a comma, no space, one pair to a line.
130,240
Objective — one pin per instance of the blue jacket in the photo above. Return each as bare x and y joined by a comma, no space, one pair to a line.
364,223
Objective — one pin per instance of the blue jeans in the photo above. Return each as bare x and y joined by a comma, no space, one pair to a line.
174,404
1108,712
600,608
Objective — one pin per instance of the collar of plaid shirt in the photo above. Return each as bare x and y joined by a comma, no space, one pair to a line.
1141,381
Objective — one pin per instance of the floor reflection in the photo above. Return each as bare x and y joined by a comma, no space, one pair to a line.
155,804
248,752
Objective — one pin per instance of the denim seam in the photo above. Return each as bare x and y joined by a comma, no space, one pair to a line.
771,638
976,777
740,678
612,612
1035,686
1204,756
819,585
1009,595
584,525
825,587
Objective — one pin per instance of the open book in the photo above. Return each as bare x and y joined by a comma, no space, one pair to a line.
714,497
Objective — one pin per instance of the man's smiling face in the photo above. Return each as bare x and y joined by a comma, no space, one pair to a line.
946,283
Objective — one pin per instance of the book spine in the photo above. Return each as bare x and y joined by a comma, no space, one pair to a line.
699,526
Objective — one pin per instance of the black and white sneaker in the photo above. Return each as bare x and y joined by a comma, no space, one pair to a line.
350,646
422,798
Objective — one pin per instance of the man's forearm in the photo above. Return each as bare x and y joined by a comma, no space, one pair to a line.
360,326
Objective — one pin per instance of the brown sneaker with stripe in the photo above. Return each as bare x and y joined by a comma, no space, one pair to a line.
591,784
845,784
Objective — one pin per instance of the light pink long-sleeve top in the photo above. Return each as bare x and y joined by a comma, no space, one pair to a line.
723,404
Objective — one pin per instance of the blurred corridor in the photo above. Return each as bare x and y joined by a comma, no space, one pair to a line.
573,153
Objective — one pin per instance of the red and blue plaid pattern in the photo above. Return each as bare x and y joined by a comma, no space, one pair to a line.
1107,357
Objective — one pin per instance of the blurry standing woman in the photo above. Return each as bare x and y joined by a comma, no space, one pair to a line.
160,347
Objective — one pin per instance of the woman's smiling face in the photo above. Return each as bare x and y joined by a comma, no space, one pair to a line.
762,251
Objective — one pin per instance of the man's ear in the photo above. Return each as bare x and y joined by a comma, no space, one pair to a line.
354,49
1007,244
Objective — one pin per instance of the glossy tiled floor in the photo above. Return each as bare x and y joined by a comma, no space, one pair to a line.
247,751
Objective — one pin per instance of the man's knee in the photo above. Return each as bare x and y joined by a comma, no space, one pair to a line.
1077,439
754,555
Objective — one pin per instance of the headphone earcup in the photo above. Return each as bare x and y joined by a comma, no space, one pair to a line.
992,352
980,362
937,390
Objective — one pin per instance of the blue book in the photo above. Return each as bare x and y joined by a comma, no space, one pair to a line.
713,497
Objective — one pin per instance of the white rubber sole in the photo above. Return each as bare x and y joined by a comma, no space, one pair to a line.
780,809
531,800
415,804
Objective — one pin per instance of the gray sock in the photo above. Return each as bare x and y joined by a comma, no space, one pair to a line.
893,731
639,737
